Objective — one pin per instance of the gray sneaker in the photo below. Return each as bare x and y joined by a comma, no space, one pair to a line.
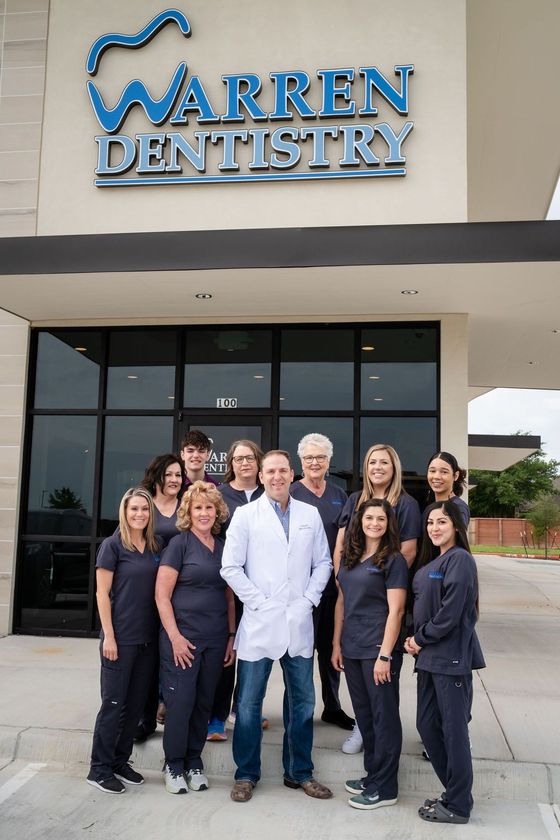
370,801
355,785
196,780
174,782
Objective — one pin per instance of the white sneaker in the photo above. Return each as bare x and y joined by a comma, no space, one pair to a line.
196,780
353,744
174,782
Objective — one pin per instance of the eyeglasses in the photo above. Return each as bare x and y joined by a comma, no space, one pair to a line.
238,459
308,459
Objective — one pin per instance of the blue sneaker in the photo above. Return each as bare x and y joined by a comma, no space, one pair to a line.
216,730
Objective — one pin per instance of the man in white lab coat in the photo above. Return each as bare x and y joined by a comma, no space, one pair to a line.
277,561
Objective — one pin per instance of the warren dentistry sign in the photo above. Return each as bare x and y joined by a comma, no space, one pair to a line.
344,137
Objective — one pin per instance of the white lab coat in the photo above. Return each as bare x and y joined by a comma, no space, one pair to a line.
277,581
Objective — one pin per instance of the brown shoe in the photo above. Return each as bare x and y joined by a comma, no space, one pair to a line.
242,791
311,787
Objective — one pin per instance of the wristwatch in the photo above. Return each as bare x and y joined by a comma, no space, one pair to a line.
384,658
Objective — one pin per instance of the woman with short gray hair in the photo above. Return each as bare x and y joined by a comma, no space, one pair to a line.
315,451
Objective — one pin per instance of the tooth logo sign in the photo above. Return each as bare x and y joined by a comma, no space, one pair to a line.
364,146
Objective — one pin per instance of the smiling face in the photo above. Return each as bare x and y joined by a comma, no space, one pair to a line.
172,480
276,476
194,459
245,465
203,515
441,478
441,530
374,523
380,471
137,513
314,462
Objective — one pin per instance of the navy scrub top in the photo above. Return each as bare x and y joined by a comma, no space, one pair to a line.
445,593
199,597
164,526
133,607
366,609
406,510
330,506
236,498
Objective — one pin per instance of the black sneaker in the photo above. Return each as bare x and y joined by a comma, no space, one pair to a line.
108,785
129,776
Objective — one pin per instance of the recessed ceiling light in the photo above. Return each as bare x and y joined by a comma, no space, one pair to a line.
172,397
230,349
131,376
281,398
374,377
378,399
258,376
531,363
368,347
80,349
409,292
203,295
556,332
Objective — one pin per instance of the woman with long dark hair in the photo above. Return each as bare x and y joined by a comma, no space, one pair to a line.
372,580
447,480
447,651
382,479
164,478
127,565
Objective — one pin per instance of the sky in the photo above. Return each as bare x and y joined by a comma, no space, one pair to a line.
505,411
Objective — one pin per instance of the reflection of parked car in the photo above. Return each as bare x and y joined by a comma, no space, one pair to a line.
55,568
74,523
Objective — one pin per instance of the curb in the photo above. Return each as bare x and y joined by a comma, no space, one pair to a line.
509,780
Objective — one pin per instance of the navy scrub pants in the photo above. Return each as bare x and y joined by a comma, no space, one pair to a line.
442,718
188,695
323,623
124,687
377,712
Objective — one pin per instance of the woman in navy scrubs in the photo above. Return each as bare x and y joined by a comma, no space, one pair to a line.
315,451
372,581
447,482
164,479
447,651
241,486
127,565
196,641
382,474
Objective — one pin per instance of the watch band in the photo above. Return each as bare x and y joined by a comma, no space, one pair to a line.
384,658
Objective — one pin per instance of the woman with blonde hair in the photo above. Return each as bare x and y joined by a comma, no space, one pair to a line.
196,640
127,564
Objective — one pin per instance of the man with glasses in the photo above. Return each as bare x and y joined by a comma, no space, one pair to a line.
277,561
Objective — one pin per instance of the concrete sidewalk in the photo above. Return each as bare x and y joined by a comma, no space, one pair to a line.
50,696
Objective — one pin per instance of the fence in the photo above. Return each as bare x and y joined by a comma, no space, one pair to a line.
500,531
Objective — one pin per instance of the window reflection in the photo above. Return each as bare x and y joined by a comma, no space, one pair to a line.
141,371
397,386
228,364
67,369
317,369
130,444
61,476
55,582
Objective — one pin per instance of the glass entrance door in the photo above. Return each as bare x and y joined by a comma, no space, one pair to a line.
222,431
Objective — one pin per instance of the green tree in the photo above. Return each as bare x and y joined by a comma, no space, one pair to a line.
504,493
63,498
544,515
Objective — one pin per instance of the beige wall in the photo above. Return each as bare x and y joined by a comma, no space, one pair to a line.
13,368
259,37
23,40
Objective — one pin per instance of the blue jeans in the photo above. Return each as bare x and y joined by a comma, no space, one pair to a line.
299,705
